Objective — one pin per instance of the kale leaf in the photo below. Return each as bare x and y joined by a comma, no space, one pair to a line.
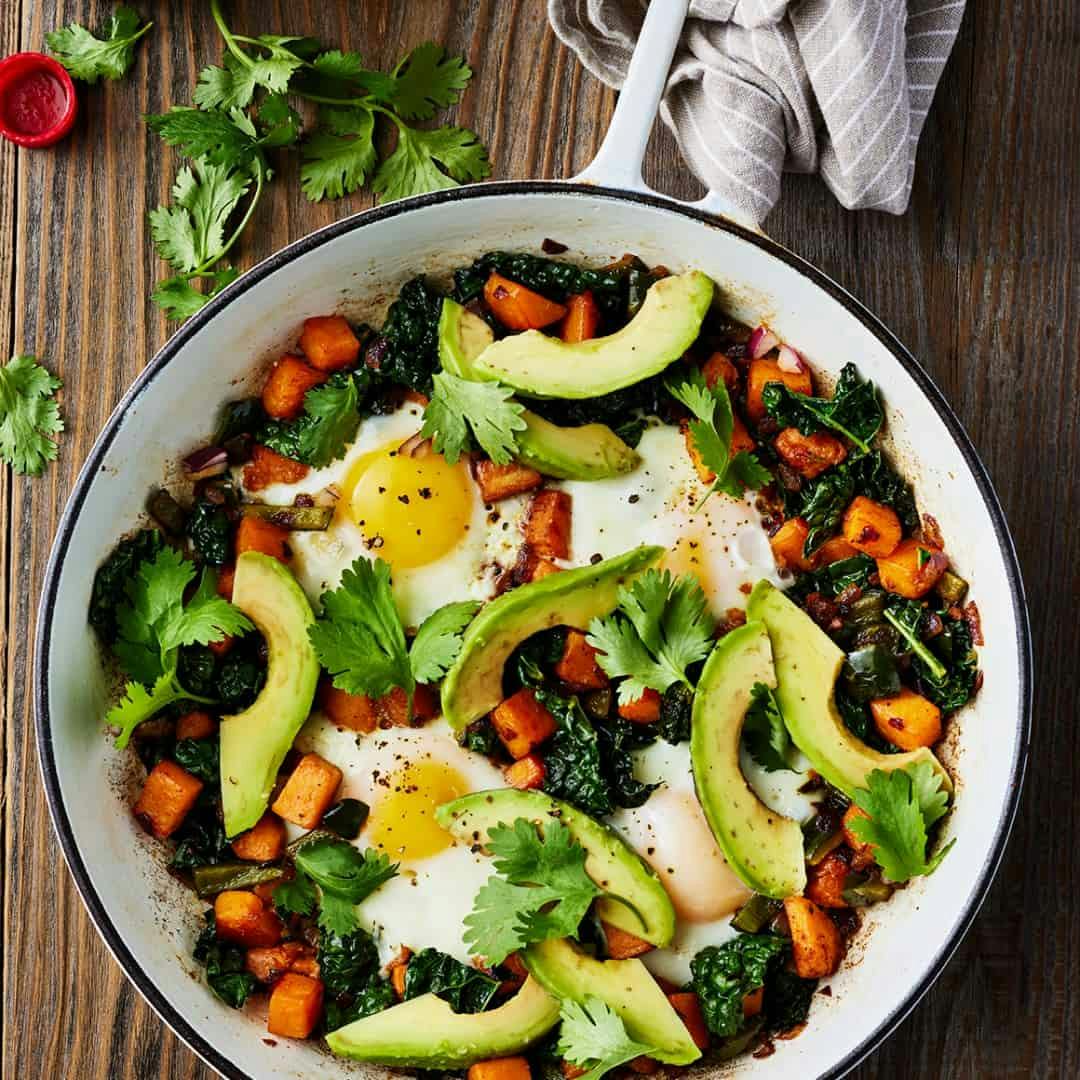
466,989
347,963
201,758
110,582
878,480
954,647
211,532
331,414
787,999
831,580
226,973
406,351
870,672
201,840
724,974
373,998
618,737
676,705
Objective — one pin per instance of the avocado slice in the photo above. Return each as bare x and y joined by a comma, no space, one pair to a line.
608,860
537,365
426,1033
254,743
807,665
473,686
762,847
463,336
625,985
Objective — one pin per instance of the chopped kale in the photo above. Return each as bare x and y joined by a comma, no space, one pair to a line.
724,974
464,988
480,737
226,973
201,840
406,351
373,998
110,581
196,670
241,673
824,503
954,647
201,758
346,964
831,580
532,661
878,480
857,719
675,708
211,532
244,417
787,999
618,738
870,672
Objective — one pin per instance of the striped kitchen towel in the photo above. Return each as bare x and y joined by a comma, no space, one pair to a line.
840,87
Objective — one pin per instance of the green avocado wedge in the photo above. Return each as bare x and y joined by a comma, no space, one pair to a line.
537,365
254,743
807,665
625,985
425,1033
473,686
609,861
762,847
463,336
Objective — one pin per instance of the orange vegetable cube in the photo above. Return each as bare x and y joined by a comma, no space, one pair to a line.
353,711
329,343
519,308
705,474
522,723
622,945
263,842
766,370
501,481
582,318
308,793
753,1003
577,666
268,964
225,578
195,725
507,1068
833,550
646,710
242,918
255,534
571,1071
862,854
288,383
741,439
815,940
826,881
527,773
547,529
269,467
397,971
912,569
295,1006
166,798
871,528
906,719
540,568
788,543
688,1007
809,455
718,368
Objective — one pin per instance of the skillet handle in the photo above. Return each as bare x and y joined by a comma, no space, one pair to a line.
618,162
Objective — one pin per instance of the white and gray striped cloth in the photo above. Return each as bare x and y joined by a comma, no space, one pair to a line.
840,87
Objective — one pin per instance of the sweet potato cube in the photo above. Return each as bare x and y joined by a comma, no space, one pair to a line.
767,370
741,439
622,945
286,386
329,343
862,854
872,528
527,773
541,568
397,971
353,711
268,964
225,579
578,667
788,542
688,1007
295,1006
242,918
507,1068
268,467
826,881
522,723
718,368
263,842
912,569
547,529
906,719
753,1003
815,940
502,481
167,796
809,455
582,318
255,534
833,550
308,793
519,308
645,710
571,1071
195,725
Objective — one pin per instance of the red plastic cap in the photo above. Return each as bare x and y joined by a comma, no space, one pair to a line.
37,99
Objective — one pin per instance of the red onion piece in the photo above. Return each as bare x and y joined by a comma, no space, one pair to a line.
415,447
789,360
209,461
762,340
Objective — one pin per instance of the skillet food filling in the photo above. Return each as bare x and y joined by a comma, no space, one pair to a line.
544,681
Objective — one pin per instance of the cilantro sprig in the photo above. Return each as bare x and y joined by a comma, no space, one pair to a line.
661,626
29,415
593,1036
486,409
901,806
763,731
154,624
711,433
88,57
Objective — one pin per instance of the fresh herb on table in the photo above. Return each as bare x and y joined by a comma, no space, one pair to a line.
88,57
763,731
29,415
724,974
593,1036
226,970
464,988
487,410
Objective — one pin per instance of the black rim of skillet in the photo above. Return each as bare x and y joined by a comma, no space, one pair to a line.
113,937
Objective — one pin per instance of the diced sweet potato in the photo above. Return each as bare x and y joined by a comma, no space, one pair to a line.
507,1068
396,971
263,842
502,481
578,667
308,793
766,370
741,439
425,702
815,940
268,467
242,918
195,725
392,709
541,568
295,1006
225,579
527,773
788,542
622,945
809,455
353,711
329,343
286,386
718,368
522,723
753,1002
688,1007
862,854
833,550
571,1071
269,964
547,529
906,719
872,528
826,881
912,569
166,798
519,308
582,318
516,966
645,710
255,534
414,397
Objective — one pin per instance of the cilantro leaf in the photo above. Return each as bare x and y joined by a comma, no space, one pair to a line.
335,410
487,409
219,137
337,914
138,705
29,415
430,161
743,471
275,70
438,641
207,617
179,299
228,87
296,897
337,866
279,121
662,625
763,731
338,162
359,638
88,57
593,1034
426,80
901,805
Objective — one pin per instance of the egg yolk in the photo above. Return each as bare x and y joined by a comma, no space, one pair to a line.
403,821
688,555
413,510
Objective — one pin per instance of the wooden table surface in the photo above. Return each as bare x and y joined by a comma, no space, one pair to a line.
980,279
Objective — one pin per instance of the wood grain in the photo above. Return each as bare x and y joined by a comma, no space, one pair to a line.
979,278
